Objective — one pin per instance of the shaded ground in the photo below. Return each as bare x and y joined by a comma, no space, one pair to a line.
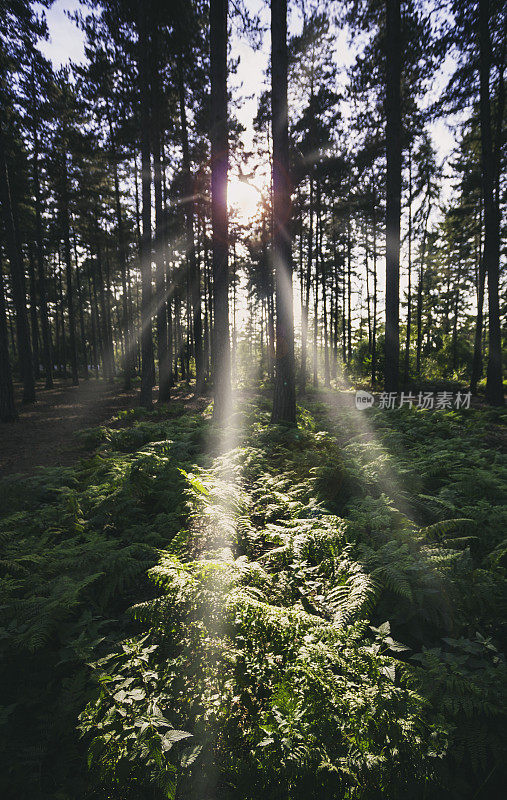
43,434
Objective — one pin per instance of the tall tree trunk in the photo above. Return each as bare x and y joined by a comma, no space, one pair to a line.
145,243
84,351
164,368
7,406
94,326
406,369
306,303
122,258
327,371
344,317
349,289
221,356
17,281
367,271
109,326
34,323
335,313
456,318
420,294
98,285
479,323
68,276
316,293
192,260
61,307
393,194
47,355
284,405
374,331
491,253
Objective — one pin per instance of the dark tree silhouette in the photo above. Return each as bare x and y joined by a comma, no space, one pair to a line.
219,218
393,193
491,253
284,405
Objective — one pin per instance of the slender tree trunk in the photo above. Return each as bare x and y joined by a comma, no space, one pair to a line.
375,300
84,351
219,219
164,369
491,252
34,324
393,194
122,258
8,411
406,370
12,335
344,318
17,281
68,276
61,306
367,271
93,306
316,294
420,294
192,260
455,321
109,328
349,290
47,355
102,325
479,323
305,305
335,315
145,245
284,405
327,371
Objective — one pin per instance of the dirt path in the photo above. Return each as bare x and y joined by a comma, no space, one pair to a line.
43,435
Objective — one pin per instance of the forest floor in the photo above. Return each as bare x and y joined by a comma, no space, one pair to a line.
43,434
186,606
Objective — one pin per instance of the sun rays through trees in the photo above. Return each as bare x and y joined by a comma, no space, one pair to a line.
252,436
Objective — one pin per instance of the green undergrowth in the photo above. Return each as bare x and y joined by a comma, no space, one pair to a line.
311,613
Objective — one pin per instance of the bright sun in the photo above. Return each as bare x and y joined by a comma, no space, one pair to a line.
243,198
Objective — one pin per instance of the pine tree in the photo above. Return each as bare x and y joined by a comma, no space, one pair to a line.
284,404
219,171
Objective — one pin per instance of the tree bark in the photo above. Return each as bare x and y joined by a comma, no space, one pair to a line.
406,369
393,194
305,305
374,331
221,357
84,349
193,263
164,368
349,288
17,280
284,405
47,354
68,274
491,252
8,411
145,242
34,323
122,258
479,323
420,293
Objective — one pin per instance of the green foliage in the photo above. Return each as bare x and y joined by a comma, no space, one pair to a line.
75,548
257,660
